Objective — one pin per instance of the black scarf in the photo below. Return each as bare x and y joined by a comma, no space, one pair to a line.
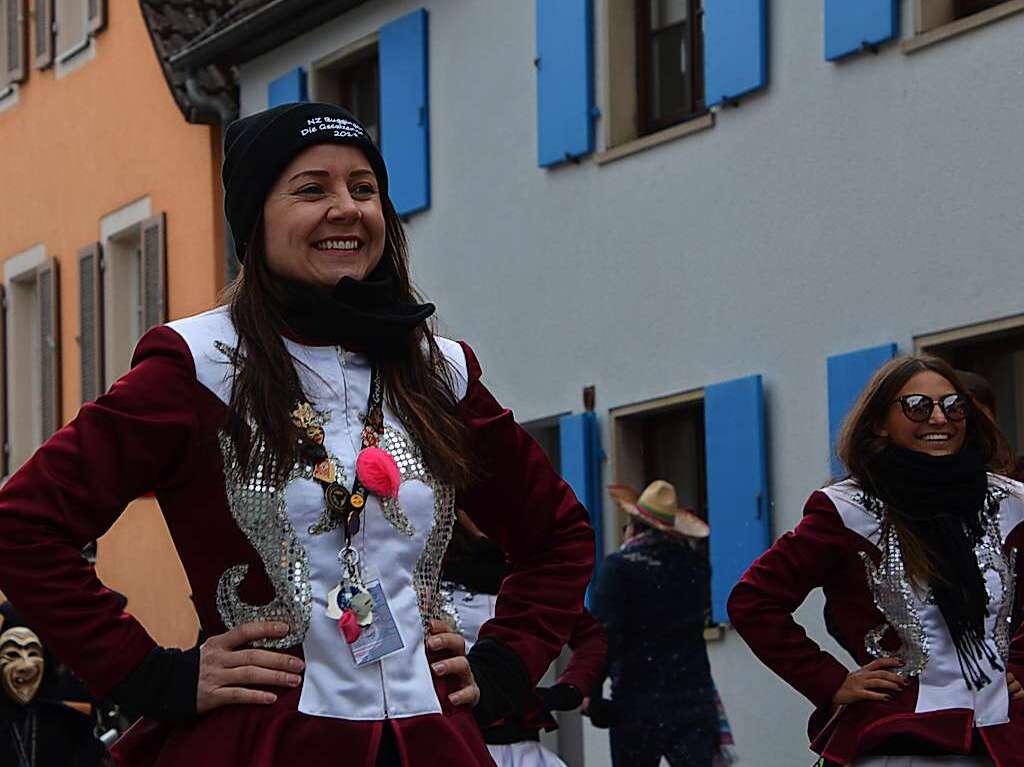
941,500
363,314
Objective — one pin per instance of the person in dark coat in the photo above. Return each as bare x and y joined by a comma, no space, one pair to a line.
650,598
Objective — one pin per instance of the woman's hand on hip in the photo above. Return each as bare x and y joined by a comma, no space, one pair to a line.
227,674
447,654
1016,690
872,682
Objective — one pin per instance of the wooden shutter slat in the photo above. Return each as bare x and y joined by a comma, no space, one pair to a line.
43,28
90,288
48,291
5,437
96,15
154,271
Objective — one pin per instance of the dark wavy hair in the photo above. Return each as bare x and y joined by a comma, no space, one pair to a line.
859,442
418,381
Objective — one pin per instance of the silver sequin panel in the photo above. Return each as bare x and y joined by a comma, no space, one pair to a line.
427,574
258,507
895,598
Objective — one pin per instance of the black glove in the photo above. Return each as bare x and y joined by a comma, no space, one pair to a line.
601,712
163,686
502,678
560,697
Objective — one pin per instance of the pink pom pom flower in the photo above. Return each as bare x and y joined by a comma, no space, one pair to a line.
378,471
348,626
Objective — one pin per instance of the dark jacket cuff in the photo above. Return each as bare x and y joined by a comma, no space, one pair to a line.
504,682
163,686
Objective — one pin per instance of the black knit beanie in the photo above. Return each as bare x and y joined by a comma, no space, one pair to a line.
258,147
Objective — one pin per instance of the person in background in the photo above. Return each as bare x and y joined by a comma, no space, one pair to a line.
473,570
985,398
650,597
918,555
44,712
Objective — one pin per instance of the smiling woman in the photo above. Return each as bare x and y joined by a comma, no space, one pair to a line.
917,552
308,443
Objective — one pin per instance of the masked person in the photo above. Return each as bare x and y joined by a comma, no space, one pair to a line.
307,443
917,554
650,597
36,731
473,571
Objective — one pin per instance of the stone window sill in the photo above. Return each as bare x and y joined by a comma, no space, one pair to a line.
695,125
958,27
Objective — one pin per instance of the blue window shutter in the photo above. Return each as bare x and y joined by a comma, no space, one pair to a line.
581,457
852,24
848,374
737,483
565,80
735,48
291,86
404,123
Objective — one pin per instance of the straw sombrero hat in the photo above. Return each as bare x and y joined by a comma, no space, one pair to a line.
658,507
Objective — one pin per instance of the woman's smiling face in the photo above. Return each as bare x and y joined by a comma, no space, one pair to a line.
323,218
936,436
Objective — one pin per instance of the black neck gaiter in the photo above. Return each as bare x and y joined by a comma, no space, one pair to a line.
362,314
941,499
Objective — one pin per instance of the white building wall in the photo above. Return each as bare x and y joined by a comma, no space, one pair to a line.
845,206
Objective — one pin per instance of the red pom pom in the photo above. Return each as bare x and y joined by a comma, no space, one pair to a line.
348,626
378,471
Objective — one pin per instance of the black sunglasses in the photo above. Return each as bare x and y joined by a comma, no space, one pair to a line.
918,407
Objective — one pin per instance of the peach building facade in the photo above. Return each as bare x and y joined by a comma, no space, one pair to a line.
111,223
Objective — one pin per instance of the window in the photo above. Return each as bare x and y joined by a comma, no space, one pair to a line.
664,439
669,62
134,281
13,47
351,79
77,22
959,15
655,71
32,288
996,352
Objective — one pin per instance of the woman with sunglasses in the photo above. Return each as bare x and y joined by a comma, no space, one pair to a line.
917,554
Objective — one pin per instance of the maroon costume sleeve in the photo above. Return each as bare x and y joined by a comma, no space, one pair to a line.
522,504
761,605
589,654
132,440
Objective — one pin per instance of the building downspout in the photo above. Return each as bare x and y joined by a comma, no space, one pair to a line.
220,114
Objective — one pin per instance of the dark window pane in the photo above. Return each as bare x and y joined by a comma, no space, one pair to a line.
669,88
667,12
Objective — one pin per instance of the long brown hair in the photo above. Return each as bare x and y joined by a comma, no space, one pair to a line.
418,382
859,442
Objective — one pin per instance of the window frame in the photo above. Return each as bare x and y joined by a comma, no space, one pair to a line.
626,469
926,32
694,77
327,78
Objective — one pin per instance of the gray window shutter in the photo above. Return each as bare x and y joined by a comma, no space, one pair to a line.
43,50
15,39
96,15
5,438
72,27
154,271
48,291
90,290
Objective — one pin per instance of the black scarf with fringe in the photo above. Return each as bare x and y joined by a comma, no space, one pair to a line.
941,500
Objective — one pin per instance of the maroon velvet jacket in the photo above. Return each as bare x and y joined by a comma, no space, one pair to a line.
157,430
828,550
